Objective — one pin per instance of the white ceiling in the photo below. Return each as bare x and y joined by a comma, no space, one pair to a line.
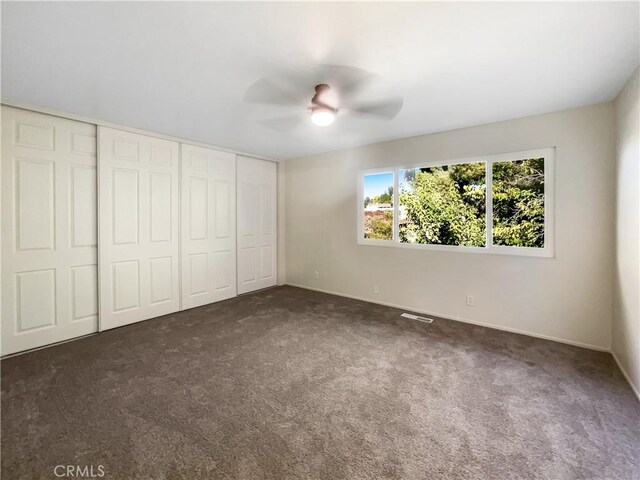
183,68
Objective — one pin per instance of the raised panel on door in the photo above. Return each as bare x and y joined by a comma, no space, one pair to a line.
35,300
223,204
160,196
49,221
84,295
125,278
257,238
84,205
32,130
198,206
161,277
125,205
139,248
35,204
208,226
195,282
247,231
224,263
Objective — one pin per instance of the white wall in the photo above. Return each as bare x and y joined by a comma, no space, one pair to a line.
567,298
626,318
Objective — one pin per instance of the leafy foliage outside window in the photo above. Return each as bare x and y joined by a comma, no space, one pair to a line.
378,225
518,203
444,205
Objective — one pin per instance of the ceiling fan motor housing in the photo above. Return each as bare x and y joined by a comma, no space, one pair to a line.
319,103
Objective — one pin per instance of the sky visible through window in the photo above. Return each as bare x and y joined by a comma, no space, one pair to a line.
377,184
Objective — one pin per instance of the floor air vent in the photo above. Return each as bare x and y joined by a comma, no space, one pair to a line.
416,317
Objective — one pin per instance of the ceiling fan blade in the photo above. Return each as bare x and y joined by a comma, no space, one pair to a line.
285,124
267,91
386,109
347,80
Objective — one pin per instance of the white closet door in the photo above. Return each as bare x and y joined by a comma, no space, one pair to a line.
208,226
138,234
257,241
49,275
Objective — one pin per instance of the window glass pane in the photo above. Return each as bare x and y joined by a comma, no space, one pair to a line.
443,205
518,203
378,206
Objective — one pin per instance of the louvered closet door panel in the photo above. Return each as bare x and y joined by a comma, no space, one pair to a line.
49,272
139,227
257,240
208,226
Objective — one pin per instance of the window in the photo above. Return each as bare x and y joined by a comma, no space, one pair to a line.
494,204
378,206
444,205
518,203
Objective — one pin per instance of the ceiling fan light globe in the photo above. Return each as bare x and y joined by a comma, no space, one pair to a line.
322,118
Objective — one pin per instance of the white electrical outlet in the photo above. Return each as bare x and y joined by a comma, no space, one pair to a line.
376,289
316,274
470,300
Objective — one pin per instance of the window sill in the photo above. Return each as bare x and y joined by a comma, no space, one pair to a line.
492,250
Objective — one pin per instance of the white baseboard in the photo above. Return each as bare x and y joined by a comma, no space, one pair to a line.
635,389
458,319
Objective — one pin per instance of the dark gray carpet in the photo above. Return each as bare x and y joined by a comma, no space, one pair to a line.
288,383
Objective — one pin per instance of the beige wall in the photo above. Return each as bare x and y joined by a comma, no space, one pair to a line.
567,298
626,319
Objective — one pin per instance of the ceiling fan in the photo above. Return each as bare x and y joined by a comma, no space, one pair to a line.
321,96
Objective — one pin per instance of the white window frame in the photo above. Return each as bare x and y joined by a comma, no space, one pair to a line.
547,251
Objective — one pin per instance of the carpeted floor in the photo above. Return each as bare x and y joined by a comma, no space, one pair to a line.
288,383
